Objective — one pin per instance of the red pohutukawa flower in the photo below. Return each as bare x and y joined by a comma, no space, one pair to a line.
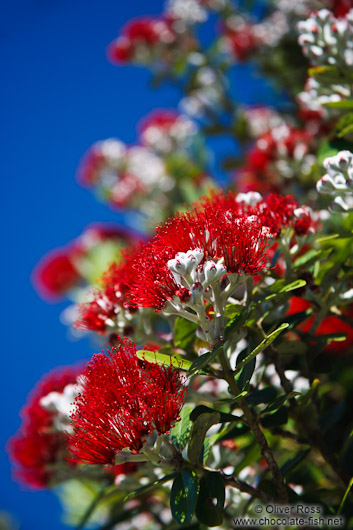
205,244
60,270
123,400
139,36
109,306
274,211
38,450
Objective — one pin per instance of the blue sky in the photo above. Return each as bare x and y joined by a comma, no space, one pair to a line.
59,94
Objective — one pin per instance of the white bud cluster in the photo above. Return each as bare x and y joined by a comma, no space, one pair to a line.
316,95
338,181
251,198
207,95
187,11
261,120
188,273
61,405
327,40
179,135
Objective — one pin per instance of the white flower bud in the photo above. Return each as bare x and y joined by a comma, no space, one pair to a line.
251,198
213,272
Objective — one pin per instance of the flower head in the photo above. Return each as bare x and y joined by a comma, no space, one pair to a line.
122,402
274,211
38,449
109,308
68,267
193,251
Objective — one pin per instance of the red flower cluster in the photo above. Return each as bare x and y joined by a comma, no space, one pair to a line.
38,449
340,8
122,402
138,34
273,211
276,153
212,228
101,312
242,41
59,270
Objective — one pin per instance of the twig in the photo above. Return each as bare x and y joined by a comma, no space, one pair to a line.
256,430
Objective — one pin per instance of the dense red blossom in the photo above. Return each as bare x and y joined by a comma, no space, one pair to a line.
274,211
163,119
37,447
144,32
243,41
277,153
59,271
55,274
237,239
122,402
115,282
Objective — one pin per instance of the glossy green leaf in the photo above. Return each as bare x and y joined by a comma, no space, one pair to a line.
344,104
224,417
262,346
281,286
209,507
265,395
181,430
330,74
166,360
238,320
184,333
198,434
183,495
273,419
203,361
279,401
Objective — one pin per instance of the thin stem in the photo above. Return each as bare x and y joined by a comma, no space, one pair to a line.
314,434
229,480
256,430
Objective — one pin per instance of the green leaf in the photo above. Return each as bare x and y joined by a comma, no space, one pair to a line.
280,286
279,401
183,495
198,434
238,320
209,507
294,461
345,497
178,361
265,395
344,104
331,148
263,345
345,124
202,361
224,417
328,337
184,333
329,74
147,487
244,375
180,432
309,257
273,419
